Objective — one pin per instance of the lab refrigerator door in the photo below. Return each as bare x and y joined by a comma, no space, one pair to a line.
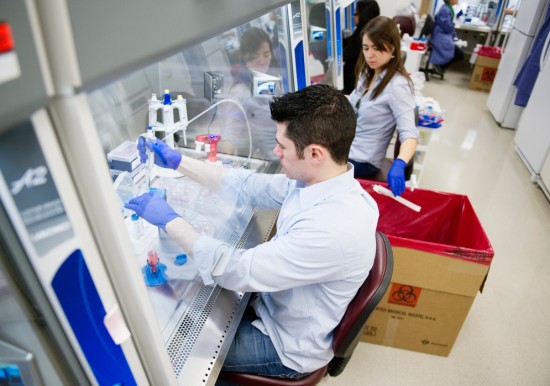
529,16
533,134
544,181
501,98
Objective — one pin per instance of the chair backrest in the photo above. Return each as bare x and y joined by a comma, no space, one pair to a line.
428,26
407,24
348,332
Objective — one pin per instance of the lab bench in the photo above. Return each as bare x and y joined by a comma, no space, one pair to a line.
473,34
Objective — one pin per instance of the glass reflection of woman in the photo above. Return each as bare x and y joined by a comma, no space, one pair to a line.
256,53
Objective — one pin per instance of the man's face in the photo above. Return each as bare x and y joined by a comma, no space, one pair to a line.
285,149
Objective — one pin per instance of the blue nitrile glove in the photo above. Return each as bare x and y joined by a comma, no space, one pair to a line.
396,177
152,208
166,157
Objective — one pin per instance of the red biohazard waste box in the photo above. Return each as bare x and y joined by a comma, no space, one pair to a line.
441,260
485,69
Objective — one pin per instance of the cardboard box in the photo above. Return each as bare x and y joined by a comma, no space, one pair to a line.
441,260
484,73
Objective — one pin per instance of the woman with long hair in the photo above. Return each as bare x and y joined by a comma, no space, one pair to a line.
384,101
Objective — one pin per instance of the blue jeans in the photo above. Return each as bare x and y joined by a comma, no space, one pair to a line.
363,169
252,352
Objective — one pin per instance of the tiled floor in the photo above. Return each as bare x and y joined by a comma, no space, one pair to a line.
505,339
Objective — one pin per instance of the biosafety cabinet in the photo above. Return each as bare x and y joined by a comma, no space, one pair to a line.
80,81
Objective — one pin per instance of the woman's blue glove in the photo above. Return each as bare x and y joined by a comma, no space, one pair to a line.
152,208
396,177
166,157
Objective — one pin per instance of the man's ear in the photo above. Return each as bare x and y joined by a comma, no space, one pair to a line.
317,153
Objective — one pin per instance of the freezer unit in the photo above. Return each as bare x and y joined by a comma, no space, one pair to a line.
533,134
544,181
503,92
501,98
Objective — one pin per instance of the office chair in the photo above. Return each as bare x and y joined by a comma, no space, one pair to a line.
426,32
347,333
407,24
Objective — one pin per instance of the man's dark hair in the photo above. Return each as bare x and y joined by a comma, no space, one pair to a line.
318,114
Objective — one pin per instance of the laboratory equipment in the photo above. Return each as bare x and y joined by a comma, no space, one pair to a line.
532,137
60,215
181,259
265,85
125,159
169,126
154,272
213,84
503,92
142,234
208,142
17,367
54,281
335,23
150,136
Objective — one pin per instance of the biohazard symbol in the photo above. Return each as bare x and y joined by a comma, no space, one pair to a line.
488,74
404,295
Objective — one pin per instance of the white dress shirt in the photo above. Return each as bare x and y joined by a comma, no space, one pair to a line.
377,119
310,270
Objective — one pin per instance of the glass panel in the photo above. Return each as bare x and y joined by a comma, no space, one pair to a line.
319,53
211,101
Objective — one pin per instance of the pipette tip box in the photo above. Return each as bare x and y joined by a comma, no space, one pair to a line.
124,157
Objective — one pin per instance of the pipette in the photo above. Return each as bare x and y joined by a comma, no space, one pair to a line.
149,136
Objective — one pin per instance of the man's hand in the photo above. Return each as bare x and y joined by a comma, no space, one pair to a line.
153,209
165,156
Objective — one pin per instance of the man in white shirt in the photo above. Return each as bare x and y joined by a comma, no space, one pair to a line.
307,274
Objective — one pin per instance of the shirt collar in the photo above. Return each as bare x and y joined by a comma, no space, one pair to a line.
381,75
313,194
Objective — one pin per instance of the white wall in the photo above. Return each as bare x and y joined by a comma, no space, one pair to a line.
391,8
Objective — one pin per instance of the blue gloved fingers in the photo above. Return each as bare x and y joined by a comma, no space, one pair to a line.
152,208
166,157
142,147
132,204
396,177
138,204
397,186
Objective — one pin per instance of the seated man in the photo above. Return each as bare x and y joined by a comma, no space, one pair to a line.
307,274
